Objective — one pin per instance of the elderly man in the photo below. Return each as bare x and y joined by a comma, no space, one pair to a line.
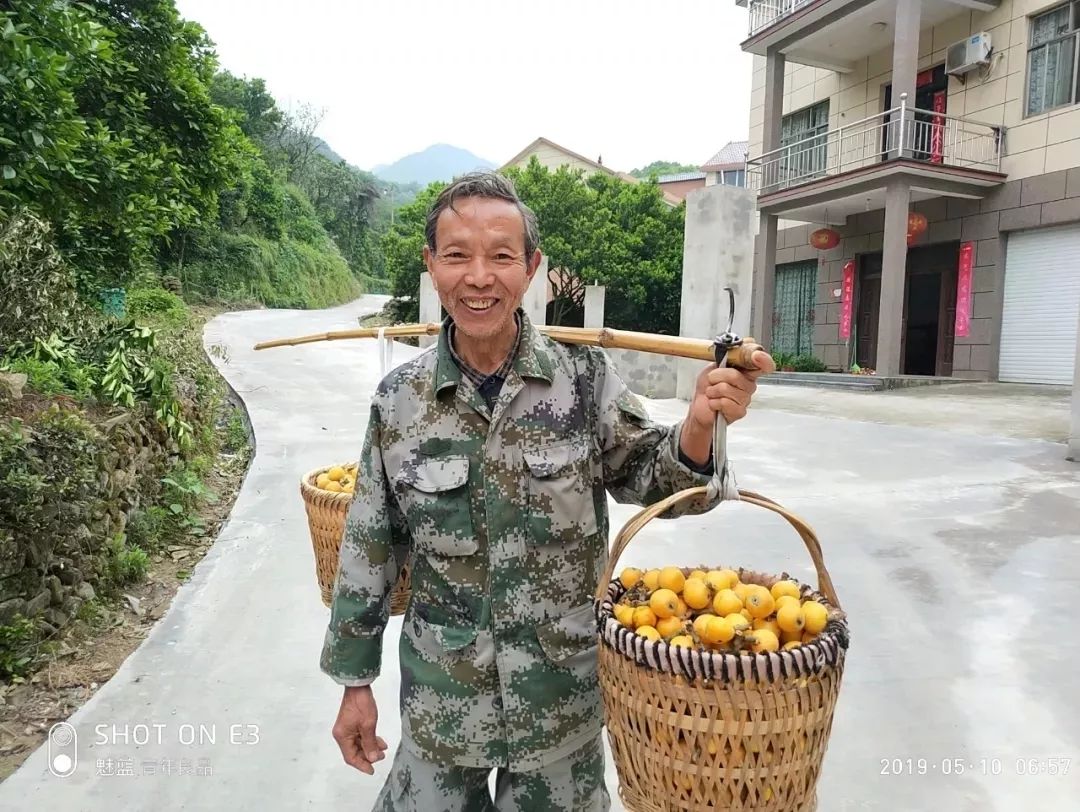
488,461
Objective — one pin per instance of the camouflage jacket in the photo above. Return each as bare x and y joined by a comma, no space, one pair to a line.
504,517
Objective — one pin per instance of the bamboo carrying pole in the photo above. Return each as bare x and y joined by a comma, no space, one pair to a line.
740,357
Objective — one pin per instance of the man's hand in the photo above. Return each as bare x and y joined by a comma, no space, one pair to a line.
354,730
726,391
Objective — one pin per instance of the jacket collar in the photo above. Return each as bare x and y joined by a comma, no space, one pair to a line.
533,357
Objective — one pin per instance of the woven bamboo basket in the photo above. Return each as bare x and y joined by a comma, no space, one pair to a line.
326,513
699,730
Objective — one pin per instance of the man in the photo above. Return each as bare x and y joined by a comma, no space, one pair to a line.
488,461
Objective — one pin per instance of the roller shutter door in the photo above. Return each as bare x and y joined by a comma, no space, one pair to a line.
1041,306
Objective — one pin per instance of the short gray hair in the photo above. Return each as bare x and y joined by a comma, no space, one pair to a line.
492,186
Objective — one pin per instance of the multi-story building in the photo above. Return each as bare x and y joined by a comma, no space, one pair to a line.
917,170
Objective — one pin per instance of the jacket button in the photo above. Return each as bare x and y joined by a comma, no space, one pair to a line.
497,703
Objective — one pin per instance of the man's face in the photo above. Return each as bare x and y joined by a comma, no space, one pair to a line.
479,266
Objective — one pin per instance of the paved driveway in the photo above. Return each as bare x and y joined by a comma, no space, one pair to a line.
956,555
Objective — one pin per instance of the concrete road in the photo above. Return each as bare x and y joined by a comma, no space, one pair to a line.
957,556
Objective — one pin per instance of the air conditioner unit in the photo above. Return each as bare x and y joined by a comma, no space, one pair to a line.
968,54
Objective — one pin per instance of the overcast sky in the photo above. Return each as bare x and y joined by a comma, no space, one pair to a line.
631,80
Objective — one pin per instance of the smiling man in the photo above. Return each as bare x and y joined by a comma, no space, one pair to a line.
488,461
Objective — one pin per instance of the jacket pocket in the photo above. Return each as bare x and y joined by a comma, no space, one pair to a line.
436,640
560,493
571,639
434,496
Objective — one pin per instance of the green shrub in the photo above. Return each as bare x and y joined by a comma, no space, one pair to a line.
809,363
124,564
37,290
157,303
42,376
149,529
290,273
16,647
374,284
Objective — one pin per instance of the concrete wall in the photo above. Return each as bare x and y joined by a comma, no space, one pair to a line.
718,252
1043,143
1045,200
430,307
646,373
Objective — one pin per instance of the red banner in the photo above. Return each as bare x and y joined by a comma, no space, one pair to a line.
963,290
847,290
937,128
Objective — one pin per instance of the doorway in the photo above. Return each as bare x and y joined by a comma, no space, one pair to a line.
926,140
928,322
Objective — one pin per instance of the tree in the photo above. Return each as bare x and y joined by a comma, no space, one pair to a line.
295,141
344,199
257,112
592,229
108,129
663,168
403,248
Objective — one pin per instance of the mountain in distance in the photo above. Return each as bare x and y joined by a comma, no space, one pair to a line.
437,162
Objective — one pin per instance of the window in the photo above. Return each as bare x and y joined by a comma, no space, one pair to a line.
806,158
734,177
1052,54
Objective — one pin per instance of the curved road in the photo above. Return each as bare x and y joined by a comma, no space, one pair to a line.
956,555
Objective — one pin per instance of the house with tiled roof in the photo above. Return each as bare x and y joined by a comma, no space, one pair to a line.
728,166
553,155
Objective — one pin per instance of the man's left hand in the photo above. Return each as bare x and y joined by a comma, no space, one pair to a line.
727,390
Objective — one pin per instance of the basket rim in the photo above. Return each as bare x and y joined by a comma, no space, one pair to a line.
827,650
310,489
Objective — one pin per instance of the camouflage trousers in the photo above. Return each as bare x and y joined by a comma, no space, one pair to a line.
572,784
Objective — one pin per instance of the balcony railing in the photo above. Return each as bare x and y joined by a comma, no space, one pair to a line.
764,13
902,132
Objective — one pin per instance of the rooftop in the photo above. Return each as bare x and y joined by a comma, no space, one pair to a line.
733,153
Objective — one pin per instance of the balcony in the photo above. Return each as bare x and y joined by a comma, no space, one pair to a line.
764,13
834,34
941,155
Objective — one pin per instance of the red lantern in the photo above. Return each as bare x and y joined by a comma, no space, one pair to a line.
916,223
825,238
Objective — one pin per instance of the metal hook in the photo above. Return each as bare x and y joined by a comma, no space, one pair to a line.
729,338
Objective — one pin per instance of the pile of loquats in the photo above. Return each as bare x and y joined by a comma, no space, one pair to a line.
715,611
337,479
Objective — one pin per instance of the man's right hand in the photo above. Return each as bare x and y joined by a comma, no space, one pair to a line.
354,730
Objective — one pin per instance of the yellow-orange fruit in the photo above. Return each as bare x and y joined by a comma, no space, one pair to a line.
718,630
670,626
725,602
696,593
672,578
644,616
759,601
630,577
721,579
765,640
664,603
781,588
790,618
816,616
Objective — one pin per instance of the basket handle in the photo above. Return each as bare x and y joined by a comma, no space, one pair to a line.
643,517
